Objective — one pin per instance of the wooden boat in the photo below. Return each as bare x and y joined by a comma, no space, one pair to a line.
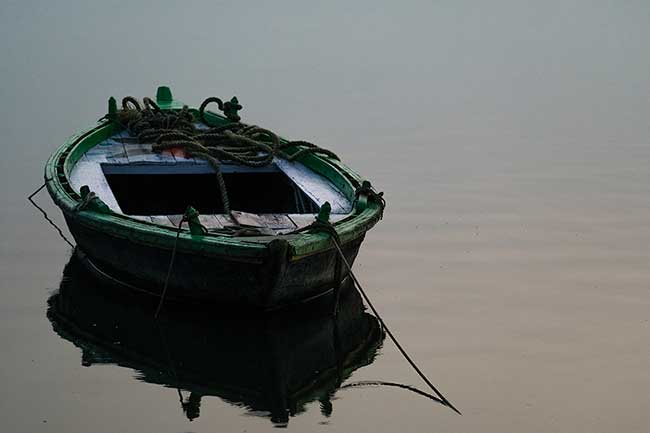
241,222
264,363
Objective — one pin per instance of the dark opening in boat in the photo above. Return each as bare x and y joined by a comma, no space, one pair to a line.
159,190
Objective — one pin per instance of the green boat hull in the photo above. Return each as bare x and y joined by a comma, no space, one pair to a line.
266,283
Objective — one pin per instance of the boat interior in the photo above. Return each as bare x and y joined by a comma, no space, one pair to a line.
157,187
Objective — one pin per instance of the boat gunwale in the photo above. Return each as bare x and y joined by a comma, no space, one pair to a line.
60,163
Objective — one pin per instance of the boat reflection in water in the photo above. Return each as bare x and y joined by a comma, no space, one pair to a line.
273,365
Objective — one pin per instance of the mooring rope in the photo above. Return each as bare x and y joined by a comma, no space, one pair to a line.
239,143
47,218
321,226
169,268
365,383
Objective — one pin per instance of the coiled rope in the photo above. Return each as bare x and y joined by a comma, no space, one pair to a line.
235,142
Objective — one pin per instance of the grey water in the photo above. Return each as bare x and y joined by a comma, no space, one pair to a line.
511,139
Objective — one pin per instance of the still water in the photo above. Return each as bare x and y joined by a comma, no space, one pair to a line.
513,144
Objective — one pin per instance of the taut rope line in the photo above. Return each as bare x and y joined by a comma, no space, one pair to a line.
169,268
47,218
390,334
327,227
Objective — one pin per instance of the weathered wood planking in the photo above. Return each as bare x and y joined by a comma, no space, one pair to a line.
97,154
278,221
116,153
303,220
271,221
142,154
162,220
315,186
126,140
226,220
247,219
210,222
175,219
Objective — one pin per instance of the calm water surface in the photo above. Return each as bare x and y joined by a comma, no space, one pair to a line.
512,142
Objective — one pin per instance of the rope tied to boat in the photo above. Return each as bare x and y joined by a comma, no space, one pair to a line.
324,226
90,200
236,142
185,218
366,189
30,198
